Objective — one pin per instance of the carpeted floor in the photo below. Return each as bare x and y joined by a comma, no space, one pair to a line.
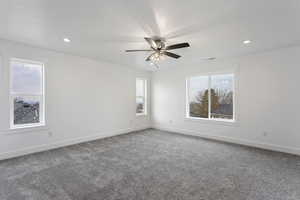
152,165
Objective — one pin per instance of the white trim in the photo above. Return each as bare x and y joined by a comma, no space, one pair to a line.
141,114
256,144
187,106
12,95
55,145
227,122
145,97
218,72
24,130
27,126
209,75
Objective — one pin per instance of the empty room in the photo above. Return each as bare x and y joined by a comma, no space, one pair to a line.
149,100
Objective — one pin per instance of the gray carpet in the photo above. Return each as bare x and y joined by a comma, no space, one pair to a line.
152,165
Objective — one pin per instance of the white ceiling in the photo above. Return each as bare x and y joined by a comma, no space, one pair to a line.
103,29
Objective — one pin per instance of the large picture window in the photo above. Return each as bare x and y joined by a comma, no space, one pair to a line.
141,96
26,94
211,97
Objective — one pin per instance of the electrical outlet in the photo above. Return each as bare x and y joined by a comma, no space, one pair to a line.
265,134
50,134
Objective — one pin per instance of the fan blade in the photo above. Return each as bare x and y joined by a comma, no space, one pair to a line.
149,57
178,46
138,50
151,42
173,55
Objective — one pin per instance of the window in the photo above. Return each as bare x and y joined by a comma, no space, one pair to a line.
211,97
26,94
141,96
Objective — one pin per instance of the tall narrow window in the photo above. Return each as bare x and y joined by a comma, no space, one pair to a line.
27,94
211,97
141,96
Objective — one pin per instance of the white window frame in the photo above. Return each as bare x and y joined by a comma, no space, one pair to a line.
144,97
13,95
209,75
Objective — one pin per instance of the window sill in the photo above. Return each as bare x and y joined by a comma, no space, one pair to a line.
212,121
26,129
141,115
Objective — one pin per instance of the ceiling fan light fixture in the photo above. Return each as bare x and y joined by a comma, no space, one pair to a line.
156,56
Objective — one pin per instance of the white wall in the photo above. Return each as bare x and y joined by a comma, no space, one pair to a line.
88,99
268,100
85,100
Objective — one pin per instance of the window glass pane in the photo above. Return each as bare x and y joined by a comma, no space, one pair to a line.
26,110
26,78
198,97
140,87
140,102
222,96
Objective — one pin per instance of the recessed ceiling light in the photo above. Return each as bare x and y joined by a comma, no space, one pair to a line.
247,42
67,40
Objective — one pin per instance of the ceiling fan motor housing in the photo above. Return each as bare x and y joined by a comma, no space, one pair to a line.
160,44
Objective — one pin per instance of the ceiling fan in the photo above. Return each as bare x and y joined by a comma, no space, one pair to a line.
159,49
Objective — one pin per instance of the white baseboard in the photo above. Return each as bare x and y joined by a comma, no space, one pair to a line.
46,147
266,146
